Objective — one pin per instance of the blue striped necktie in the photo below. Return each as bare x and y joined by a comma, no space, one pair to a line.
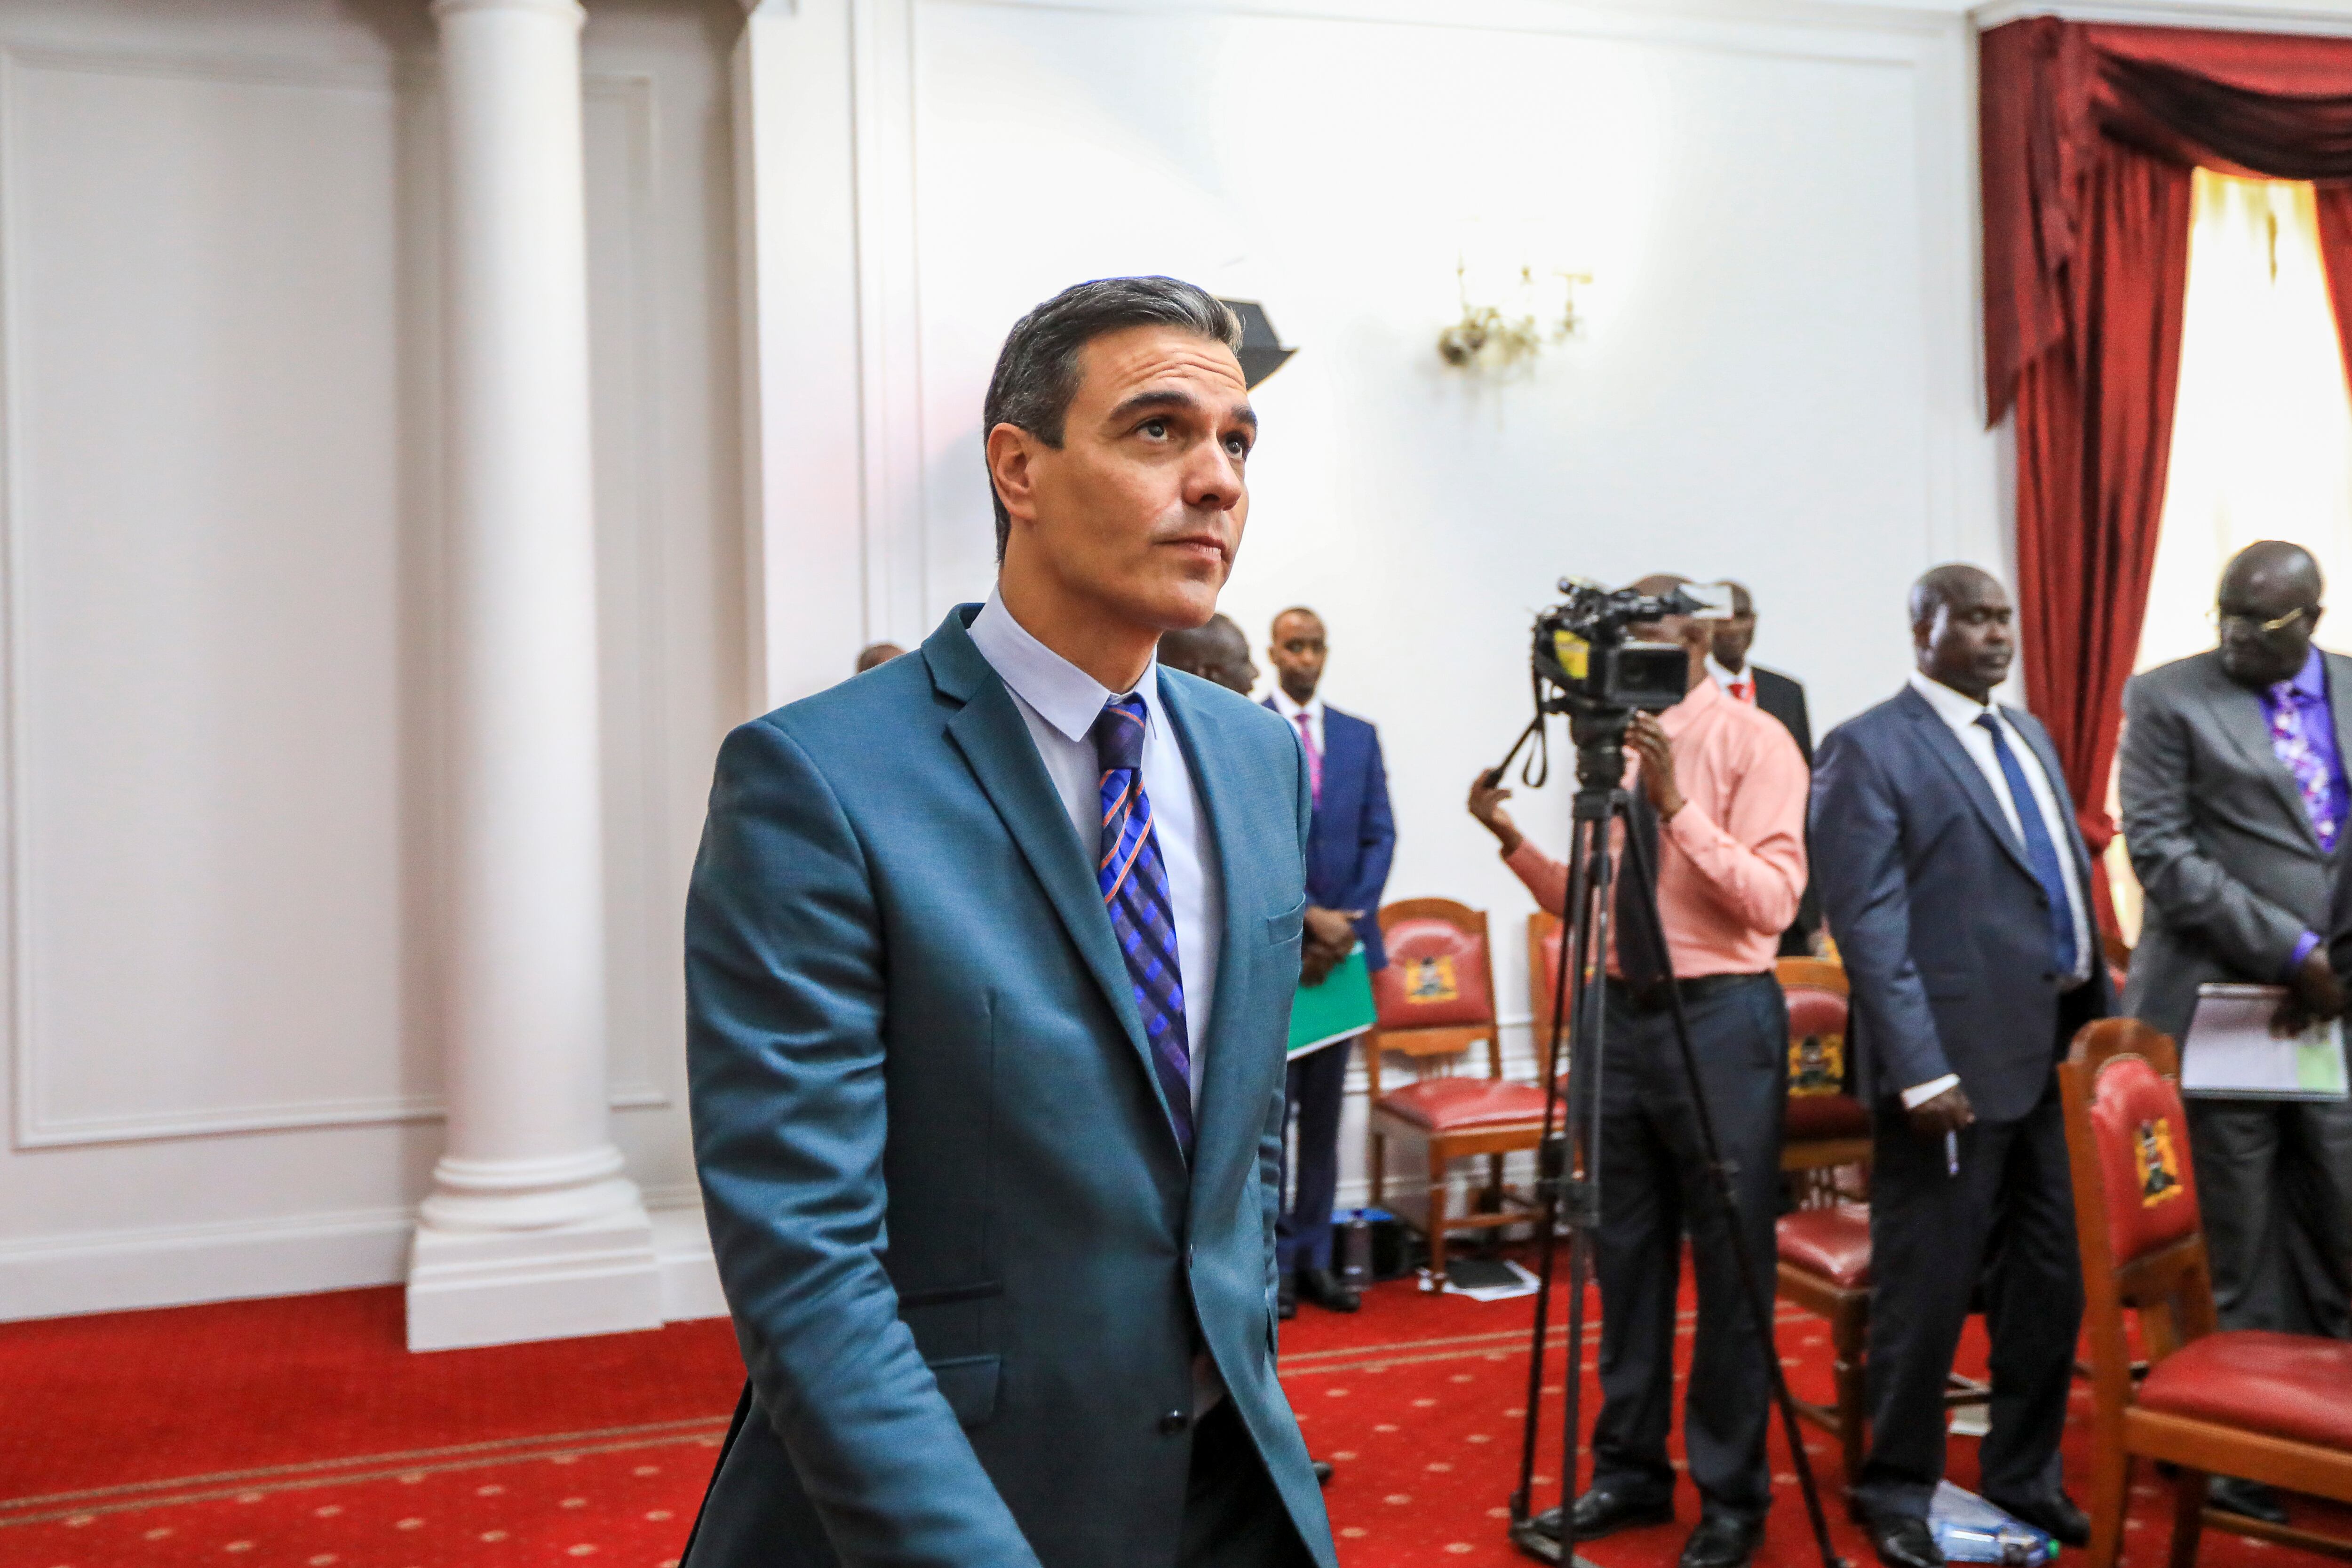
2041,849
1134,883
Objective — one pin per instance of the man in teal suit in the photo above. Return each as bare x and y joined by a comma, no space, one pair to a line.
990,953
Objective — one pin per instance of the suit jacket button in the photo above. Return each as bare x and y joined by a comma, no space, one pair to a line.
1188,1255
1175,1421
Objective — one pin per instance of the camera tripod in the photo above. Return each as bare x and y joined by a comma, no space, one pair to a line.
1568,1158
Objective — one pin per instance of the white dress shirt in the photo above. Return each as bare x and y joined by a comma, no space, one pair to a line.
1726,679
1961,712
1060,702
1313,709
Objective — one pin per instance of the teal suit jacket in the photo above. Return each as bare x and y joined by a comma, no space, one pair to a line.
967,1264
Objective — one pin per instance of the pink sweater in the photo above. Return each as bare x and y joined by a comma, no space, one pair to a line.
1731,863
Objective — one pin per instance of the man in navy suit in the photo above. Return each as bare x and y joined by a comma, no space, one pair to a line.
990,956
1952,871
1348,855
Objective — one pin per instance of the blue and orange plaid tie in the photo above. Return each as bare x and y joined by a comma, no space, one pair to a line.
1134,883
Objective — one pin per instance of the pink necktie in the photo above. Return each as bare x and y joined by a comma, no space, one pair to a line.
1313,759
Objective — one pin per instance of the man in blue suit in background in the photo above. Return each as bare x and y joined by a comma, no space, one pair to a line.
990,956
1958,884
1348,855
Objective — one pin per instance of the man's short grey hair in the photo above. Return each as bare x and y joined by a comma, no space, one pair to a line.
1038,370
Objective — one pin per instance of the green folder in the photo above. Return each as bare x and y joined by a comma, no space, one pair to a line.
1342,1005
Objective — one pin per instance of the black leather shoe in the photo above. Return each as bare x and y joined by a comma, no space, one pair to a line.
1601,1512
2250,1498
1328,1290
1286,1300
1722,1541
1322,1471
1905,1543
2058,1518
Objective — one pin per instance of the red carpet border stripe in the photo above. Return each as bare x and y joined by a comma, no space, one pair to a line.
278,1478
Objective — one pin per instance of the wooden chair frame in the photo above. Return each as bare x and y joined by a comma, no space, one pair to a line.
1499,1204
2172,1289
1847,1312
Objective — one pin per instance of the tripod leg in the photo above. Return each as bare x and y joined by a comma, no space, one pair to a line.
1751,1273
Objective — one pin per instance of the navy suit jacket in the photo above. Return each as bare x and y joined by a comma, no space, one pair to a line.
1943,928
1353,837
966,1262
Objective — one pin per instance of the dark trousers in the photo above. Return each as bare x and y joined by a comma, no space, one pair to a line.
2274,1186
1315,1090
2006,1220
1232,1516
1653,1187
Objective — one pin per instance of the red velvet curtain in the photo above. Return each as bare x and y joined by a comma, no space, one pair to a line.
2088,137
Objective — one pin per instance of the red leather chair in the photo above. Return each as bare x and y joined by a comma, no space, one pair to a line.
1826,1127
1824,1246
1824,1267
1435,1000
2275,1408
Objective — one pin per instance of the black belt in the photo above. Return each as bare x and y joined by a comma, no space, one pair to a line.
1656,997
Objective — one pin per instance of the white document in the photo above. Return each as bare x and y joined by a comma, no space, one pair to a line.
2232,1052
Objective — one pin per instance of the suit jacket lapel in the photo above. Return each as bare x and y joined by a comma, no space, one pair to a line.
2038,736
2239,712
1963,768
1338,747
994,740
1227,1118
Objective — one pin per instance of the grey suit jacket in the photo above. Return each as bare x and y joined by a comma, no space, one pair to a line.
2219,836
966,1262
1943,928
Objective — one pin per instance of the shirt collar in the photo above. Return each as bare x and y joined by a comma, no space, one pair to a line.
1062,694
1725,678
1957,708
1312,707
2310,682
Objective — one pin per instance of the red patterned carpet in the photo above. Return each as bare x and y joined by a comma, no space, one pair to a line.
298,1432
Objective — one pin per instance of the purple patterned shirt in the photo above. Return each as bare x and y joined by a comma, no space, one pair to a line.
2303,738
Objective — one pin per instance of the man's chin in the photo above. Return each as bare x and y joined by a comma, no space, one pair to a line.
1178,603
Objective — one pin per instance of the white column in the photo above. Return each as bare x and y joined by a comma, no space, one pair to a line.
531,1230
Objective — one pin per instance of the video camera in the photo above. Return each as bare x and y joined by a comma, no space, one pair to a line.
1580,649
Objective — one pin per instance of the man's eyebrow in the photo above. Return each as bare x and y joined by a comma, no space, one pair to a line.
1175,399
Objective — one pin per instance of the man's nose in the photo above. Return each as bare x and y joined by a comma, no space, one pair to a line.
1213,480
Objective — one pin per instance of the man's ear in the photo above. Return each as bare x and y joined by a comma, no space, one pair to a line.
1010,449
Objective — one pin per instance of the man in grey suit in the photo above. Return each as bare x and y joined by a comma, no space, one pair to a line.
2234,804
990,953
1954,876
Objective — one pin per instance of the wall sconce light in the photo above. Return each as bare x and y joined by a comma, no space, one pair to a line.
1488,337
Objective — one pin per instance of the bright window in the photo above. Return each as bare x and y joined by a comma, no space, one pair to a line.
2262,428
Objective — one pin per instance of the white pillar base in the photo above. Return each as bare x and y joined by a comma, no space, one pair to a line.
600,1276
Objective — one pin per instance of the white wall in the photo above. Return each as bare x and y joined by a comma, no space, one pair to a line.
218,275
1777,384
